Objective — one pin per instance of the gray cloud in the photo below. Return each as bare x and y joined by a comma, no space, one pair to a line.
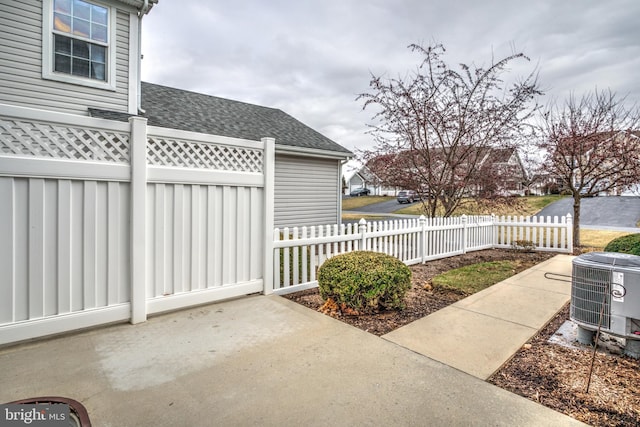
311,58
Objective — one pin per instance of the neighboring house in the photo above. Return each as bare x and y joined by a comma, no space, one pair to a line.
542,183
500,171
505,169
363,177
118,198
633,190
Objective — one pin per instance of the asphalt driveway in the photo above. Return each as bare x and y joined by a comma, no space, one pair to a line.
619,212
610,211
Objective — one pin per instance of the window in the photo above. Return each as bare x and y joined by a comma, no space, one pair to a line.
78,38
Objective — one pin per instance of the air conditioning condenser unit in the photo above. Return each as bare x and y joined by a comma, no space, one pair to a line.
605,293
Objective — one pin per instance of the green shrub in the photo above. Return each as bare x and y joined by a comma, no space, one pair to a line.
523,245
626,244
365,282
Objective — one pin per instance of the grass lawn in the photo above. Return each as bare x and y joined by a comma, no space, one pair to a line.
596,240
537,203
476,277
525,206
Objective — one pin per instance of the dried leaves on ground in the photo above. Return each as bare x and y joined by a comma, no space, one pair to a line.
549,374
556,376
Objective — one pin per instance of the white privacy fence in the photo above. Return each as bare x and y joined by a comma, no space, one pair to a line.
300,251
104,221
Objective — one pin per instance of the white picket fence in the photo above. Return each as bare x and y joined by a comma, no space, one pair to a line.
300,251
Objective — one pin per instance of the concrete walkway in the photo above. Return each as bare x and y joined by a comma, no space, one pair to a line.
268,361
478,334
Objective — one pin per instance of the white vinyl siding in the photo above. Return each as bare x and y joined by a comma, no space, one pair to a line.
306,191
21,81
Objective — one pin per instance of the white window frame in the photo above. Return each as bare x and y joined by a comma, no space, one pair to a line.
48,49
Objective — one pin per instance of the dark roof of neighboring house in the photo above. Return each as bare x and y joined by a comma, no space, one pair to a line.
500,155
366,174
180,109
491,155
595,138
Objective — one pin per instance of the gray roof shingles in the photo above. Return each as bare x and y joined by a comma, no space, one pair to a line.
180,109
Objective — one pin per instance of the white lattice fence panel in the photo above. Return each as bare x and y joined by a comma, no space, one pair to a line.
47,140
200,155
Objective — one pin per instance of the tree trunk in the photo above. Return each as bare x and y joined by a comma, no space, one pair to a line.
576,221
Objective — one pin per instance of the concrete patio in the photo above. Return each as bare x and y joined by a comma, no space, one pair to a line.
258,361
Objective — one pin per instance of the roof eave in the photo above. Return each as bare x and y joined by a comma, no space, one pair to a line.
139,4
312,152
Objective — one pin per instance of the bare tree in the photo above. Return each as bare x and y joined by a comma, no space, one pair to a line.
592,145
387,168
437,123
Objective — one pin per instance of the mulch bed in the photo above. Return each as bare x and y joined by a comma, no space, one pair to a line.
422,299
549,374
557,376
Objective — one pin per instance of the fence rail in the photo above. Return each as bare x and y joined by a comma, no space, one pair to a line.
300,251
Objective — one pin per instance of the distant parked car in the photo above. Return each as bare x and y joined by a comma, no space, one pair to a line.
360,192
585,193
407,196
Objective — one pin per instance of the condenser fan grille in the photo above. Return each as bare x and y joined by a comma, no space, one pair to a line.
590,287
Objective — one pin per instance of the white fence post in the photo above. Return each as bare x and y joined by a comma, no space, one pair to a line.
465,233
494,231
423,238
268,169
363,234
570,233
138,148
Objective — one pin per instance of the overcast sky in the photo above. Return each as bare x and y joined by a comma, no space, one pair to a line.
310,58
